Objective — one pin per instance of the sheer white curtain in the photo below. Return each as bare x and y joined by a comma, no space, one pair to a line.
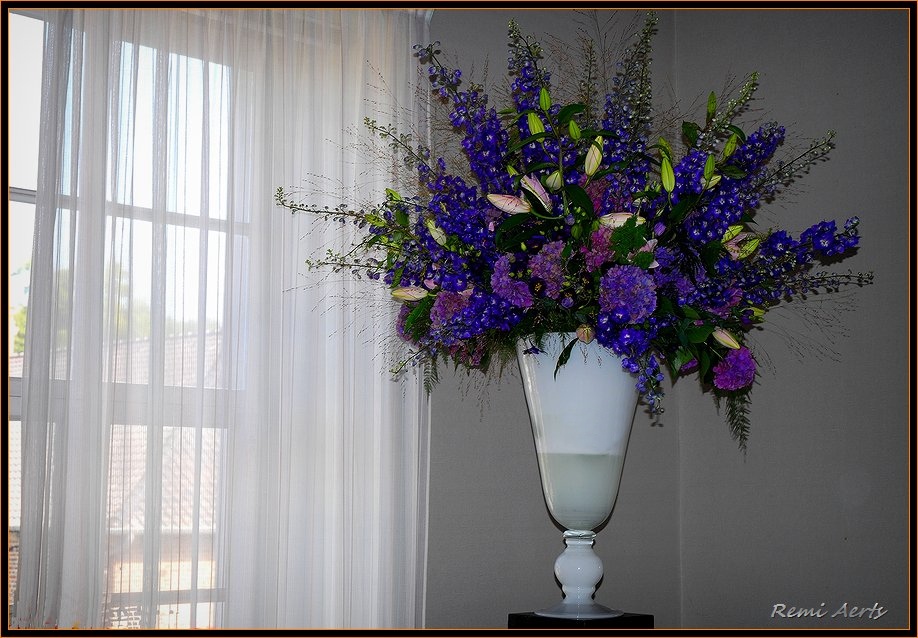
211,435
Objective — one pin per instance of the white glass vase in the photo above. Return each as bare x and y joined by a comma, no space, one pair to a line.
581,422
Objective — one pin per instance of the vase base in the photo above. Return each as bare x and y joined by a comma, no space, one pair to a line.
579,612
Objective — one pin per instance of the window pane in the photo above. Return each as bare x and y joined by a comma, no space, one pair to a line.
21,228
25,50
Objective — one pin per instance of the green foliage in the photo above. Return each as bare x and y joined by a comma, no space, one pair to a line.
736,406
19,320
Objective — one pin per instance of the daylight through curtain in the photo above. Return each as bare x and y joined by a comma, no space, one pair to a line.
211,436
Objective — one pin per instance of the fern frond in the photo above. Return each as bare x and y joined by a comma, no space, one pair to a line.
431,375
737,413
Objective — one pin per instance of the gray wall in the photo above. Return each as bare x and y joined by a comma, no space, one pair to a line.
816,513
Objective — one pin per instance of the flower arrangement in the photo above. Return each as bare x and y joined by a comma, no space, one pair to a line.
570,218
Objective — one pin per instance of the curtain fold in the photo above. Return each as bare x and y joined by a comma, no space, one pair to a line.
211,435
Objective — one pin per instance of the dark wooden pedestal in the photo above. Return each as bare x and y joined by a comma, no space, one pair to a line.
529,620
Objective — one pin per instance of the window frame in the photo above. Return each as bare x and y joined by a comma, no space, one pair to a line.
133,399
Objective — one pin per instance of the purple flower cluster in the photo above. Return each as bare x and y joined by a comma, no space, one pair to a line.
504,286
736,371
446,306
522,246
546,268
599,251
627,294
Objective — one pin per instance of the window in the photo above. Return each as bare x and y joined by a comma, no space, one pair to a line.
25,49
189,401
164,238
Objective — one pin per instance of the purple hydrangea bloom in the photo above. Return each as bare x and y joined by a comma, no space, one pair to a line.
512,290
736,371
546,266
600,250
445,307
628,294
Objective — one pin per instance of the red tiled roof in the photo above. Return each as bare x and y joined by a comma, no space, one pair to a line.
129,361
128,452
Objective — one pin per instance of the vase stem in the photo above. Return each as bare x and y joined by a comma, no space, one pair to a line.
579,570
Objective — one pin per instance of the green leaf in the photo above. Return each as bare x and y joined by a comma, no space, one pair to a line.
690,312
375,220
421,311
733,172
397,277
712,107
666,175
564,356
602,132
710,254
372,241
509,224
643,260
730,146
627,238
698,334
580,200
393,195
401,217
732,231
690,131
749,247
738,132
704,365
665,305
525,142
709,165
569,111
682,356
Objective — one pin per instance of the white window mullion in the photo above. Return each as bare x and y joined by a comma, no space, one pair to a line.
155,419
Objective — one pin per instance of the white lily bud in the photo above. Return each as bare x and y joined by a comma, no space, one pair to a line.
409,293
616,220
509,203
535,124
544,99
725,338
554,181
585,333
574,130
535,187
593,157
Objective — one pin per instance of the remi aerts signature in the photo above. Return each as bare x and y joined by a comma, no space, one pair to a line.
845,610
